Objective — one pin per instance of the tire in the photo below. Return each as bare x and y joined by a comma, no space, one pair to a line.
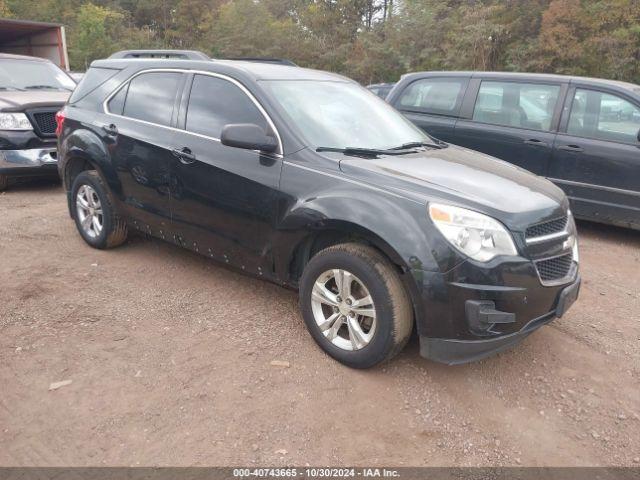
391,305
113,231
4,182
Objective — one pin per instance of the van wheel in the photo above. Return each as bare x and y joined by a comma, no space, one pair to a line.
355,306
94,212
4,182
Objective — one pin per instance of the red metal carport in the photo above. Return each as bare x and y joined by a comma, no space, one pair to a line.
36,39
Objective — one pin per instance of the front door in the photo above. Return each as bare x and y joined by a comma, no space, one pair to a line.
596,157
223,198
514,122
138,134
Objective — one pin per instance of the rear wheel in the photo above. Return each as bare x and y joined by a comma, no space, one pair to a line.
355,306
94,212
4,182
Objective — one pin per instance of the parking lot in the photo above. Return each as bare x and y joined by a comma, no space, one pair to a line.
169,357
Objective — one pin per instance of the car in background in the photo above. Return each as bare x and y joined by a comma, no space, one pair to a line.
304,178
381,89
32,90
581,133
76,76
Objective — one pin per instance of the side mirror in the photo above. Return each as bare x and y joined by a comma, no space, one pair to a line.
249,137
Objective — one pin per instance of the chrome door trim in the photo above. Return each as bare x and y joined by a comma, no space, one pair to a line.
279,153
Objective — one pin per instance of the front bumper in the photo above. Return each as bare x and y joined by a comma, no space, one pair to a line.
474,311
33,161
453,351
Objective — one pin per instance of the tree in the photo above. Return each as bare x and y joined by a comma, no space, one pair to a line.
4,9
92,34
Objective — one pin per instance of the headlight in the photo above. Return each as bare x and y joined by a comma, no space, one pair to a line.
474,234
14,121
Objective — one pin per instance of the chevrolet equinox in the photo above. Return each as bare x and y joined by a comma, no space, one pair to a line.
306,179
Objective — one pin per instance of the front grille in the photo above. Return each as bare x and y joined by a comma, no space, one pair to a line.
46,122
546,228
553,269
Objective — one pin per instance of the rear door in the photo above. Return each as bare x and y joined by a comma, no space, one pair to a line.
512,120
596,157
137,128
223,198
433,104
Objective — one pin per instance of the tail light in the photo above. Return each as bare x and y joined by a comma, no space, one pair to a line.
59,122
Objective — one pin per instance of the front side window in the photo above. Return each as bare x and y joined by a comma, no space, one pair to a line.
603,116
519,105
433,95
25,75
150,97
215,102
342,114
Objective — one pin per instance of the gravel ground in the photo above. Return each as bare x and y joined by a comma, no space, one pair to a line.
169,357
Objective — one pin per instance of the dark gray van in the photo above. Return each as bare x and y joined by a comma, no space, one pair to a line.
581,133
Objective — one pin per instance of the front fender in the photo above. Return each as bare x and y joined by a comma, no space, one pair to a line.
393,224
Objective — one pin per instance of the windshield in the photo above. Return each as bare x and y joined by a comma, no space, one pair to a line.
33,75
341,114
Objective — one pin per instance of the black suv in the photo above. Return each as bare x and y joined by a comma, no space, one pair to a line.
583,134
307,179
32,90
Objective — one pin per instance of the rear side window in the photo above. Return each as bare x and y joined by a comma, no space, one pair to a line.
116,104
151,96
433,95
215,102
603,116
91,80
519,105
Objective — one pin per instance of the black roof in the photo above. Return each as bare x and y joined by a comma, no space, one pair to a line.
277,61
252,69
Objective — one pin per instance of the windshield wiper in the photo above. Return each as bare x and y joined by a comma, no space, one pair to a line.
10,88
363,152
45,87
405,146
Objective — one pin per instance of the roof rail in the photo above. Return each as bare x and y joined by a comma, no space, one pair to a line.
175,54
276,61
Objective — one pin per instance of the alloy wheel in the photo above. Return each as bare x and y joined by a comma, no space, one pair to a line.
343,309
89,210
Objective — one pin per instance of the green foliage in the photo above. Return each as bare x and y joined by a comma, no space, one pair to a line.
93,33
369,40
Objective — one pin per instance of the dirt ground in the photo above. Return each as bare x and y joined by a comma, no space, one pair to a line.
169,360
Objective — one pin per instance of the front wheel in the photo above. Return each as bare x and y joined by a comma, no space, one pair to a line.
355,306
94,212
4,182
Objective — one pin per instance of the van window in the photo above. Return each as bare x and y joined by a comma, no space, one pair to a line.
513,104
215,102
151,97
603,116
433,95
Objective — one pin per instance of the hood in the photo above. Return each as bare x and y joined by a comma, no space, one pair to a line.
18,101
466,178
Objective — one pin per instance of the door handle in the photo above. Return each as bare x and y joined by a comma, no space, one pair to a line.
570,148
536,143
110,129
184,155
